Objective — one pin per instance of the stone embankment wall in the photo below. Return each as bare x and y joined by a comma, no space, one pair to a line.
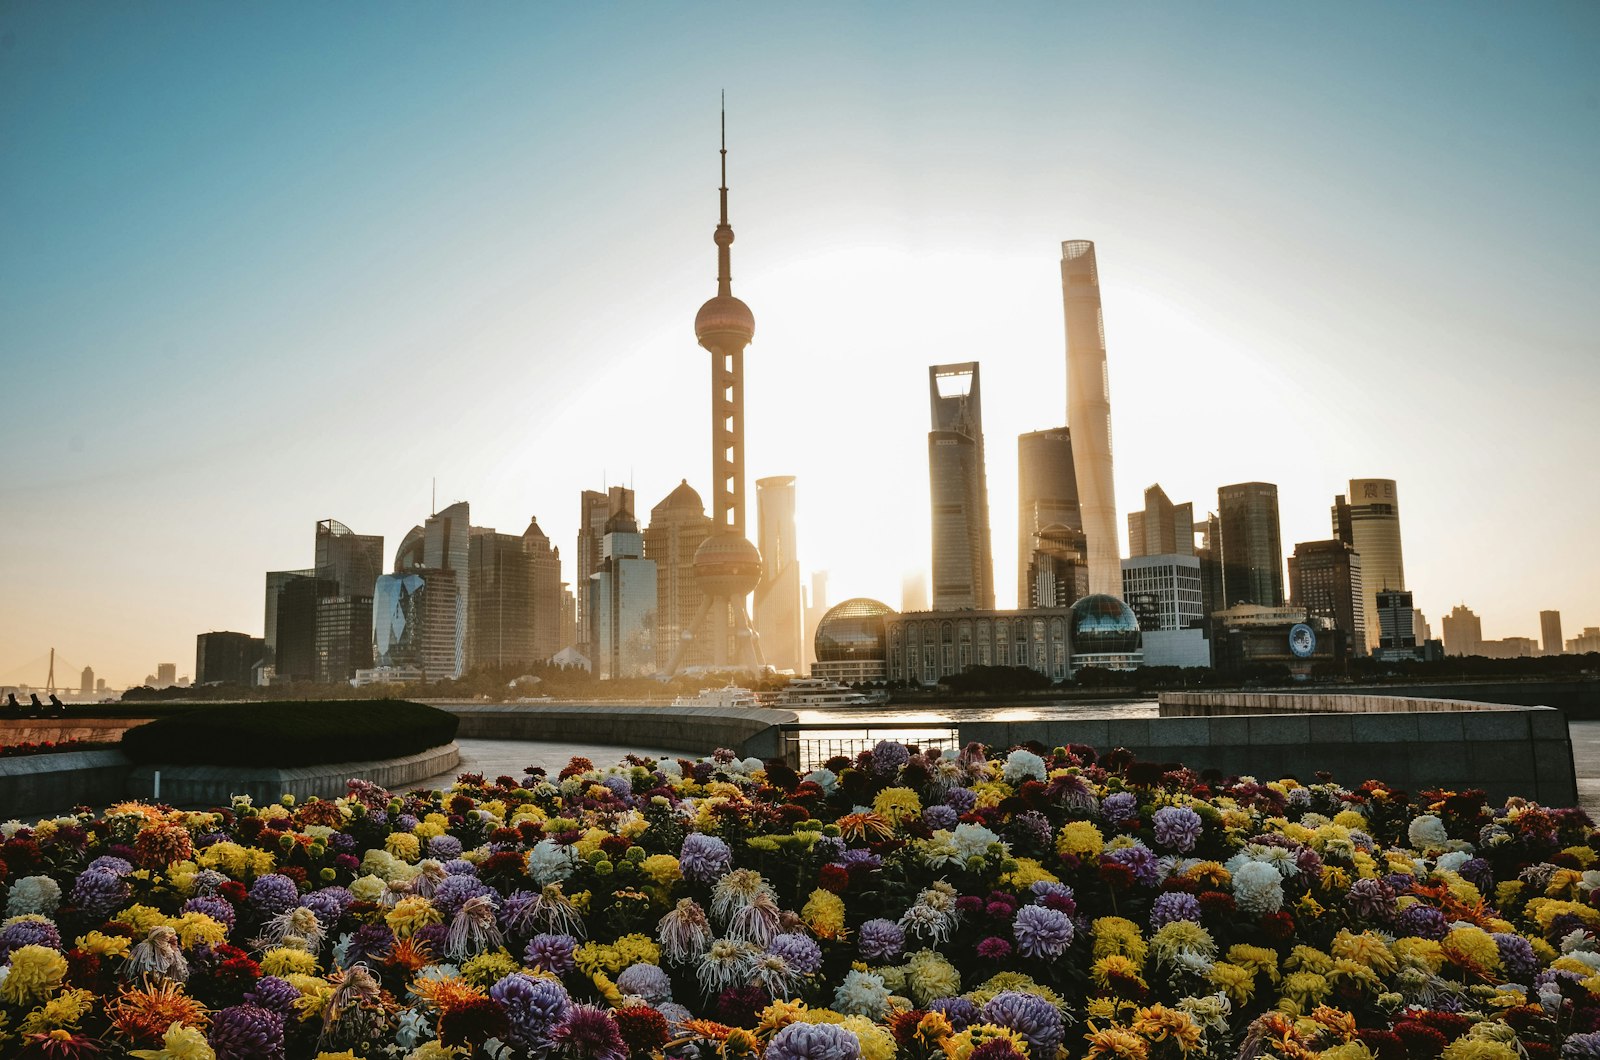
32,786
1415,744
61,729
1203,704
694,730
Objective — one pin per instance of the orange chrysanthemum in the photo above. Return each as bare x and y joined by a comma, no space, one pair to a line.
710,1030
864,826
410,954
143,1014
449,995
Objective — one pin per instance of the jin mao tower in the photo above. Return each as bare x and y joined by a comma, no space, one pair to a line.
727,567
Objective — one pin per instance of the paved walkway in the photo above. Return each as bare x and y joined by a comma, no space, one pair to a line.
1586,757
494,758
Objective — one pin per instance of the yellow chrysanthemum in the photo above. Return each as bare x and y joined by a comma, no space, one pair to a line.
661,869
181,1042
1238,983
1118,935
62,1012
960,1046
486,969
194,928
141,918
824,914
1080,839
1419,952
930,976
103,945
284,960
896,804
1159,1024
403,845
315,993
1113,969
1115,1043
1367,948
1477,1049
1027,873
1305,990
1471,949
637,949
36,973
412,913
1258,959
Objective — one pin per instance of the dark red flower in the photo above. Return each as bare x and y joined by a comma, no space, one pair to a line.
1278,926
835,878
473,1022
642,1027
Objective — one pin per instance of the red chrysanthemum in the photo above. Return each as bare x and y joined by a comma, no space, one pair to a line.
642,1027
472,1022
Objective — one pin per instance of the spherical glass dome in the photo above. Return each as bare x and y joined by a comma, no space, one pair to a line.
853,632
1104,625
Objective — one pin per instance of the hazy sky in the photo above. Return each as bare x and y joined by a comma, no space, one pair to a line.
267,264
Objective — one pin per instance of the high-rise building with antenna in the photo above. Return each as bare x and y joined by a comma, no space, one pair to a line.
958,487
727,567
1089,413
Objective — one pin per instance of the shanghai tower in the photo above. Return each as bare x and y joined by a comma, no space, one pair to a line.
1089,414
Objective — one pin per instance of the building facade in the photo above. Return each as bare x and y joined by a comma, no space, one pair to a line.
446,546
1047,496
779,618
927,647
595,510
624,597
1162,529
1463,632
1252,548
343,642
963,564
414,623
1326,580
1058,567
1165,592
221,658
1368,520
851,644
1585,642
1550,631
500,612
1089,413
350,560
678,527
550,625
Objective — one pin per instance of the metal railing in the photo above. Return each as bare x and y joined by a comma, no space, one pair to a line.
808,746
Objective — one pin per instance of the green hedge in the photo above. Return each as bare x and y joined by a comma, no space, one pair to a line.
291,734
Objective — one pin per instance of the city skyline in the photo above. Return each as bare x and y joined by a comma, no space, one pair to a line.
168,316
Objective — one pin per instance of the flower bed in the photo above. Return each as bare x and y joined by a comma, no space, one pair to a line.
290,734
45,747
927,907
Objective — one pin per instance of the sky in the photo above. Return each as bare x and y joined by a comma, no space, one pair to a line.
266,264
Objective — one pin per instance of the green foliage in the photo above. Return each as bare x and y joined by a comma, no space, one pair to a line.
291,734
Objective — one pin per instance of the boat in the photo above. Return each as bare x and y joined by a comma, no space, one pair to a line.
726,696
821,692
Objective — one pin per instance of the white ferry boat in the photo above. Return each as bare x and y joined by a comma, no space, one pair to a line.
727,696
820,692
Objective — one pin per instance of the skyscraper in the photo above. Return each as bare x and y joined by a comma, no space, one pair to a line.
624,597
1252,550
1463,632
1089,413
963,566
86,682
678,527
277,582
1327,580
1047,494
544,568
414,623
219,659
1550,631
352,561
914,592
1369,522
777,604
595,510
1396,622
1163,528
1058,569
816,608
446,538
500,615
727,567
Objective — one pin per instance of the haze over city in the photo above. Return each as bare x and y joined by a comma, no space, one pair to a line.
262,267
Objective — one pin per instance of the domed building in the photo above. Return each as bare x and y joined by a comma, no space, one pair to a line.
1105,633
852,642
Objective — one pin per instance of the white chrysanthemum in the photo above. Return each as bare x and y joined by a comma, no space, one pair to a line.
973,840
1023,765
1452,861
368,888
751,765
862,994
938,851
1590,880
949,773
11,828
550,862
727,963
1258,888
34,894
1427,833
826,779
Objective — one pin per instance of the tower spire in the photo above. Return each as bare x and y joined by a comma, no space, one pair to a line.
724,234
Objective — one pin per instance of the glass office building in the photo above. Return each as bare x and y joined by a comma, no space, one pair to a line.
851,642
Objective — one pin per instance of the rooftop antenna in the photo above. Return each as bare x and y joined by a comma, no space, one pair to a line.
433,498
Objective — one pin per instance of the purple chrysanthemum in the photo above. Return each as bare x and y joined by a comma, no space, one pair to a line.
1370,899
28,933
453,892
888,756
552,953
962,800
800,951
112,864
369,944
941,817
1042,932
647,981
274,893
1171,906
621,787
444,847
1177,828
99,892
218,909
1031,1016
1479,873
1032,829
278,995
246,1032
813,1041
1516,953
1141,860
589,1033
405,822
1581,1046
533,1005
881,940
1119,808
1423,921
329,904
460,867
704,858
958,1010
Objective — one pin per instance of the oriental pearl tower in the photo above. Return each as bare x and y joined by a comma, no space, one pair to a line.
727,567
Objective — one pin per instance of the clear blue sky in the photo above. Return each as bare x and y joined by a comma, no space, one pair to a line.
266,264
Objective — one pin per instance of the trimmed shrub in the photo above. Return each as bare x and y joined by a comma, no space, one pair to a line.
291,734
